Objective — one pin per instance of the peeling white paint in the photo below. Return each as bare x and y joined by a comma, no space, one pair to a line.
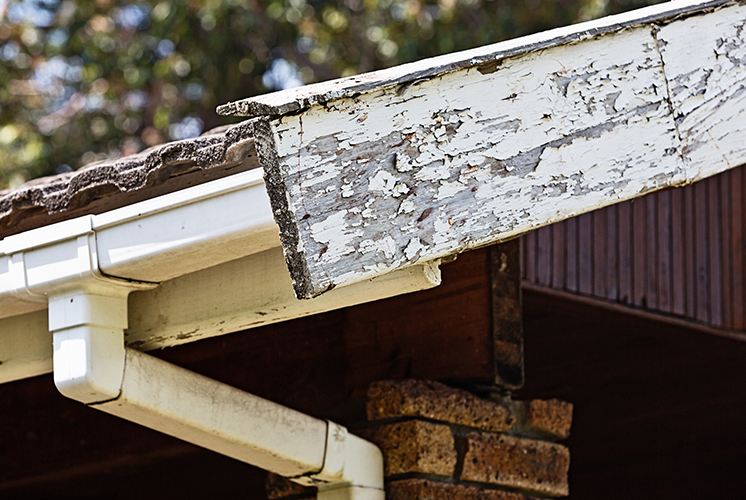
414,247
334,235
491,150
705,60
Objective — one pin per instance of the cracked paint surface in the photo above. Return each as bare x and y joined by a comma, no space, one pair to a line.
398,175
706,67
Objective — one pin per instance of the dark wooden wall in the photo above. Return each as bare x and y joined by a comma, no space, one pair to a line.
658,406
680,252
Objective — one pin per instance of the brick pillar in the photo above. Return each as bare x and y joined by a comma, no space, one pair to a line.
444,443
441,442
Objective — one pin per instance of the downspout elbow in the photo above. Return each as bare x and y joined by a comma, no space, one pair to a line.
353,468
88,319
88,339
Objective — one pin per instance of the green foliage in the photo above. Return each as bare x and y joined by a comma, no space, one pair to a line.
83,80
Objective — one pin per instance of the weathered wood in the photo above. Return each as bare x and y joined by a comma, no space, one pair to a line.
301,98
507,313
381,171
705,67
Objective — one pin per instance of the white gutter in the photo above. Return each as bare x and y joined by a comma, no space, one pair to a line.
153,241
84,269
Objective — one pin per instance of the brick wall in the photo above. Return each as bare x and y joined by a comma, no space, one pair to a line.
443,443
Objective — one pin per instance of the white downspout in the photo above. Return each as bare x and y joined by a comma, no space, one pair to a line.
87,319
92,365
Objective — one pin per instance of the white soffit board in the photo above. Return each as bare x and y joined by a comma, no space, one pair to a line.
376,172
237,295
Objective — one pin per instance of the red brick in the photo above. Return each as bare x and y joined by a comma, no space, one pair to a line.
432,400
536,466
550,417
415,447
425,489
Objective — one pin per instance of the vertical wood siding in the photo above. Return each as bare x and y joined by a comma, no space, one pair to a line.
679,252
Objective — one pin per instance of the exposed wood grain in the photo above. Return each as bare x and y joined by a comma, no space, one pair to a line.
705,63
694,250
678,266
738,248
301,98
381,171
625,253
585,123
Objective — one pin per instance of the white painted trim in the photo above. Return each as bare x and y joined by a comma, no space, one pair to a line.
238,295
151,241
378,172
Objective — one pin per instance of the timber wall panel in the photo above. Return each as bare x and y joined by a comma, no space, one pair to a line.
678,252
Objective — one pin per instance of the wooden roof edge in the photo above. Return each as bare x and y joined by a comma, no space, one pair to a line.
417,172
